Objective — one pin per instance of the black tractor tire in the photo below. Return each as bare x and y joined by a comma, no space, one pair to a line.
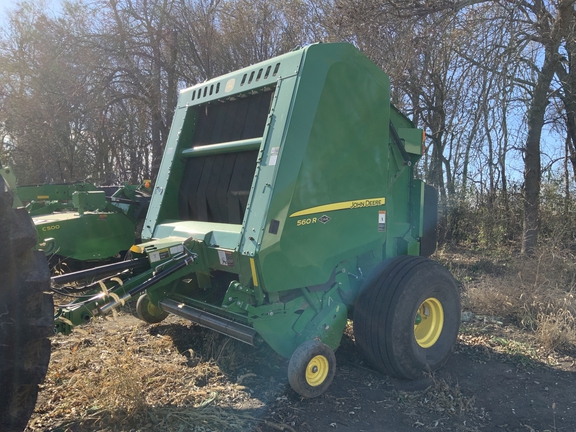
407,317
149,313
311,368
26,315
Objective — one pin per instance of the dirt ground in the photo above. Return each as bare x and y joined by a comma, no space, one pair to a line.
123,375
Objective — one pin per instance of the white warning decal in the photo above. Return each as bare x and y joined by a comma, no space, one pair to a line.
226,258
273,156
175,250
381,221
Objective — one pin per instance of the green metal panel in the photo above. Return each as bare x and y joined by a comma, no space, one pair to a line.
92,236
89,201
10,178
52,192
335,154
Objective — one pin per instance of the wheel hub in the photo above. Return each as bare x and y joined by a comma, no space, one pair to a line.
428,322
153,310
317,370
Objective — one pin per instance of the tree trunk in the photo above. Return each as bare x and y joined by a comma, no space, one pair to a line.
536,111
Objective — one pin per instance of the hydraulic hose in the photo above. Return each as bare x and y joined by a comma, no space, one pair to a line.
98,271
147,284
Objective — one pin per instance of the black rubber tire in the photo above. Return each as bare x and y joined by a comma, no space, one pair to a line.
149,313
26,315
385,313
307,356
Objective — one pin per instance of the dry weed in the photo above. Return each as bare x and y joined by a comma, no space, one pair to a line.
116,376
441,397
537,293
556,330
445,400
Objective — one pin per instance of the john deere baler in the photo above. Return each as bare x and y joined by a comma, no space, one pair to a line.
286,203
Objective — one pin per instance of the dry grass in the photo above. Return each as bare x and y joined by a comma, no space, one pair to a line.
556,330
122,375
442,397
536,293
446,401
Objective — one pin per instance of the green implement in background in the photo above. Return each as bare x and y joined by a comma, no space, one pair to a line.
79,222
286,203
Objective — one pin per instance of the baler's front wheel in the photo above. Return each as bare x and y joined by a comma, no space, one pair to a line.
407,316
311,368
148,312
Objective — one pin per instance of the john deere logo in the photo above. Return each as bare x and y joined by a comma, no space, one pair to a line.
324,219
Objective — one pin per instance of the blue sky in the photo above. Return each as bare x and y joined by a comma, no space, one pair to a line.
6,5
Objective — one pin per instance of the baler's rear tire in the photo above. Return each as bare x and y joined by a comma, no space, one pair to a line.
407,317
149,313
26,315
311,369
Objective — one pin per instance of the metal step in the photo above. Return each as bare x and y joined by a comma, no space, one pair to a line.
225,326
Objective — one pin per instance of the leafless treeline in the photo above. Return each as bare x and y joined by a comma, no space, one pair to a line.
89,92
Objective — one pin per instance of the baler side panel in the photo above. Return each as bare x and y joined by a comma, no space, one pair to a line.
405,194
164,201
329,156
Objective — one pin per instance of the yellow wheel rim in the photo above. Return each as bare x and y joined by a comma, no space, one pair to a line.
428,322
153,310
317,370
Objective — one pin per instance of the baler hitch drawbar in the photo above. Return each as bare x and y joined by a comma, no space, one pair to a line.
100,271
186,260
114,290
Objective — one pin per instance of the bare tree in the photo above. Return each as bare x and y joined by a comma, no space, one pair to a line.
47,83
139,40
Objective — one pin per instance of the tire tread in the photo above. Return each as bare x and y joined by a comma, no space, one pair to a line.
26,316
378,306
